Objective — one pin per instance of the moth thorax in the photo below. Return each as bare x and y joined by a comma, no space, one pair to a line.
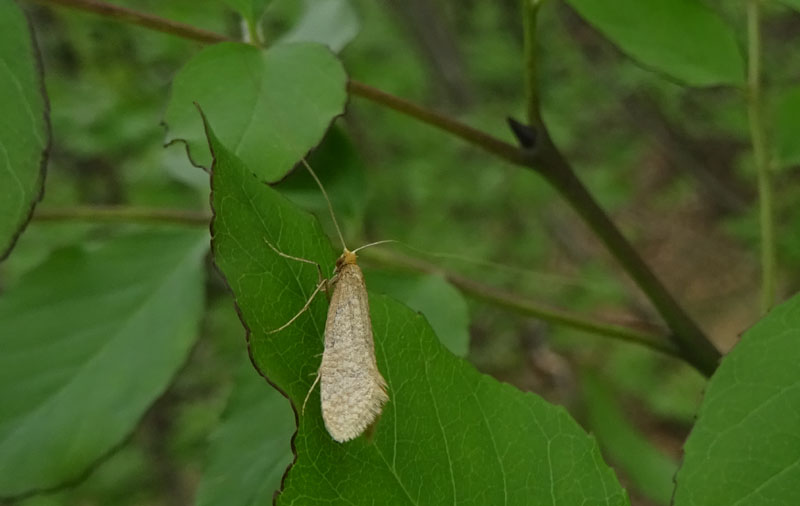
347,258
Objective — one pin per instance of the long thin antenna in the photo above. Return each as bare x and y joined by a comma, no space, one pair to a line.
330,207
373,244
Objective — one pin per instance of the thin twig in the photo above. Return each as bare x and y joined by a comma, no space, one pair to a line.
758,139
140,18
122,214
527,307
472,135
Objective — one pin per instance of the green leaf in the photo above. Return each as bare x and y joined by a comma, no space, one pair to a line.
251,449
683,39
448,433
24,127
251,10
90,339
745,446
786,115
333,23
271,107
649,470
442,305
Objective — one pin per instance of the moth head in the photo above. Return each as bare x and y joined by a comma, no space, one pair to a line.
347,258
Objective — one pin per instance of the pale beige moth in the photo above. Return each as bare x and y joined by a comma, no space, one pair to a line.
352,389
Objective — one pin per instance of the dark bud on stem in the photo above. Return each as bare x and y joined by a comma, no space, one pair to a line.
526,135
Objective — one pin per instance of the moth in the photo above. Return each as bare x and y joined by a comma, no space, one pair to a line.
352,389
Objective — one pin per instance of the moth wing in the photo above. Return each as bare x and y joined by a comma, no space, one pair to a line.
351,387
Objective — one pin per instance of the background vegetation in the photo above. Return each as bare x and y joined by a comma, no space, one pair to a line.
673,165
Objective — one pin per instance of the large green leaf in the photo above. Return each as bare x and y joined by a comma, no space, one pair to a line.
745,446
270,106
681,38
448,433
250,450
24,125
247,459
90,339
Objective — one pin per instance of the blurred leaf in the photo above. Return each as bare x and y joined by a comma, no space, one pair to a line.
439,302
795,4
90,339
787,125
339,168
251,449
670,389
474,437
24,129
333,23
681,38
271,106
745,446
251,10
649,470
127,478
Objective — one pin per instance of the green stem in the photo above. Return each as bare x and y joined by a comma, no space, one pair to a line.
123,214
530,11
252,33
519,305
545,159
759,141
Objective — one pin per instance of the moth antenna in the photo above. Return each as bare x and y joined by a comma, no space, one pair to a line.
325,194
373,244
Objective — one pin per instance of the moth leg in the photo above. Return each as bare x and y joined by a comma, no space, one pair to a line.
328,284
303,410
304,260
305,307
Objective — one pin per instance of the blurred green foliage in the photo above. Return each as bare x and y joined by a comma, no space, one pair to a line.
671,164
